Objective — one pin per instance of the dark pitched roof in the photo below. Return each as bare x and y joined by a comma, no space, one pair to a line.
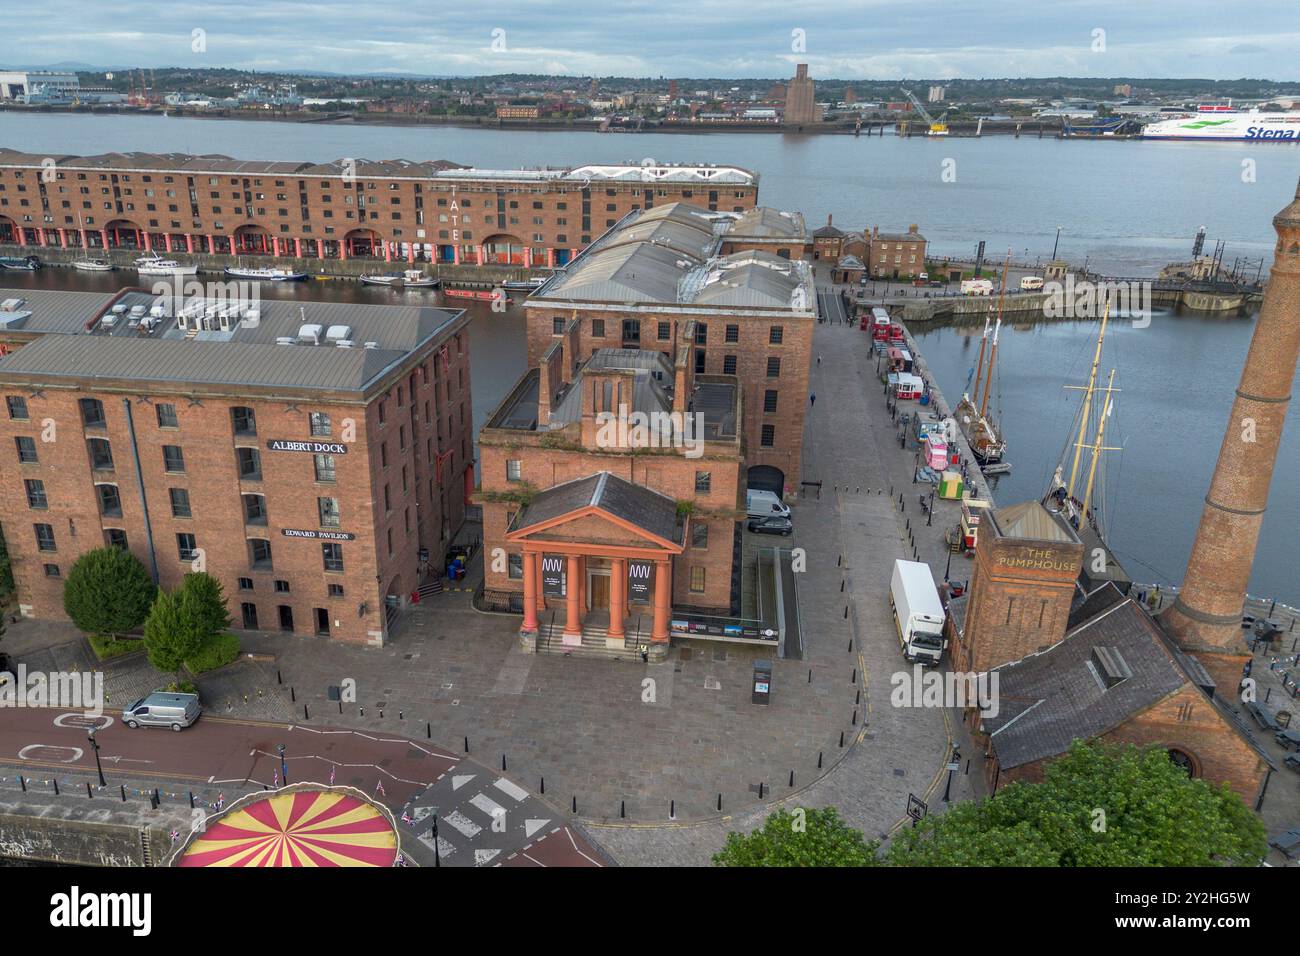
636,504
1089,605
1052,698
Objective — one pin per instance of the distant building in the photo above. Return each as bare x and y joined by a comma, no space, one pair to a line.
518,112
1123,89
850,97
937,94
23,83
828,241
891,255
800,104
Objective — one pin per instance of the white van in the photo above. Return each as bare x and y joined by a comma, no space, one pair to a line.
160,709
764,504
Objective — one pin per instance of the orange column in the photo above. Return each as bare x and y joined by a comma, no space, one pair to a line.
572,627
617,597
663,600
530,591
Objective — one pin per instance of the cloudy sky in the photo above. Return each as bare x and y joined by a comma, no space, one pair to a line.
885,39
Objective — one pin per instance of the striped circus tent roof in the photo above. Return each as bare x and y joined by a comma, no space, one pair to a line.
304,825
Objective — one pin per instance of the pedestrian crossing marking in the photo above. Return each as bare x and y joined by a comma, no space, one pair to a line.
488,805
484,856
459,780
511,789
463,824
532,826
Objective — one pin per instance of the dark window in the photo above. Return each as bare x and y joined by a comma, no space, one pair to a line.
245,584
598,328
249,612
322,622
773,367
254,509
186,546
775,334
45,537
703,481
769,400
557,326
324,467
320,424
336,590
333,554
729,365
101,454
17,407
173,458
180,502
286,618
26,450
701,333
769,436
329,512
92,412
110,501
167,416
115,538
259,554
665,331
250,463
36,494
51,570
244,420
699,535
281,587
733,333
631,330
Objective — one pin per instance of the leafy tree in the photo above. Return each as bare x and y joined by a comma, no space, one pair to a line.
799,838
108,591
1098,805
170,634
202,603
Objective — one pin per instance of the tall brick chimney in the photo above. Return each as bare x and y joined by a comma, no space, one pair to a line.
1206,617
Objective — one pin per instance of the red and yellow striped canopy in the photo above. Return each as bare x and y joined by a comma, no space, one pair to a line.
303,828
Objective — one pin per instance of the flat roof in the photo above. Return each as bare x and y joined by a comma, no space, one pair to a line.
75,342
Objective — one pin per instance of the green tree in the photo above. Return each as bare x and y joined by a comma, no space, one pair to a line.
170,633
108,592
1099,805
203,604
799,838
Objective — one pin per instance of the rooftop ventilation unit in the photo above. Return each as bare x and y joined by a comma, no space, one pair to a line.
13,317
284,340
309,333
372,345
12,305
252,318
344,343
338,333
1111,666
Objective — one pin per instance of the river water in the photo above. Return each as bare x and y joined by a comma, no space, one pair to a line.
1129,207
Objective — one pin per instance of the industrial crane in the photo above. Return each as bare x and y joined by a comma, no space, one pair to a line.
938,127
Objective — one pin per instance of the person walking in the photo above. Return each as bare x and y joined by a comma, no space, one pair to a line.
813,399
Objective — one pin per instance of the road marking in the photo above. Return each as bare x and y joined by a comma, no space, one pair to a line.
511,789
48,752
569,834
538,862
84,721
464,824
484,856
532,826
488,806
459,780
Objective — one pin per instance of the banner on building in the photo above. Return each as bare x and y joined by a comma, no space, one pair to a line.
311,447
638,580
553,575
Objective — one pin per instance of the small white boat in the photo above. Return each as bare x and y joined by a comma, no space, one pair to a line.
93,265
387,278
409,279
524,285
156,265
265,275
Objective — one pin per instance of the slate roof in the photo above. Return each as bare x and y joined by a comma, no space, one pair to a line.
648,510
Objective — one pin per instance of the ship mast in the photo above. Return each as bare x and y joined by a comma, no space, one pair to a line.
979,368
1097,446
993,356
1087,402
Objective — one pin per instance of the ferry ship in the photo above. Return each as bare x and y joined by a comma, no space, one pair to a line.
1220,125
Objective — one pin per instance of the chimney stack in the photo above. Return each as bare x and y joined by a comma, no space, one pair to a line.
1206,617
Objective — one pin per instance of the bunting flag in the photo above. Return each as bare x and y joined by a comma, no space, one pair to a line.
306,828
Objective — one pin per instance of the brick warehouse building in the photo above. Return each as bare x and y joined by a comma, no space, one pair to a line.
660,279
434,211
316,457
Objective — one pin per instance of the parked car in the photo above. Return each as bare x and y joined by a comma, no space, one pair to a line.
161,709
776,524
1290,739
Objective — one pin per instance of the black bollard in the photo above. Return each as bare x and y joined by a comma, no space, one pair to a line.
819,760
22,782
428,731
841,738
306,714
846,612
622,809
841,587
672,809
340,705
278,678
854,678
719,803
56,786
760,790
293,695
855,716
575,804
124,794
792,778
810,675
191,799
542,789
89,795
467,751
503,763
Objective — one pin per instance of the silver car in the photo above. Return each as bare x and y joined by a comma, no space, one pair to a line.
161,709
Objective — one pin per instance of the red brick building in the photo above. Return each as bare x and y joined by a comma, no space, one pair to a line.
895,254
393,210
314,457
661,280
611,489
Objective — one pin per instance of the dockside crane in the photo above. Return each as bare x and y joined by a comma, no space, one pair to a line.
938,127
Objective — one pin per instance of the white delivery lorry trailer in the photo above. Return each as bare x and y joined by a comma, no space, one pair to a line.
918,613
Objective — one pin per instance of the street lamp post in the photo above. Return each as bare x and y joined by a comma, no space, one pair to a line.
94,745
437,858
284,768
953,764
1057,242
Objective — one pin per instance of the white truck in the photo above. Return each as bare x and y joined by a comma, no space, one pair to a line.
976,287
918,613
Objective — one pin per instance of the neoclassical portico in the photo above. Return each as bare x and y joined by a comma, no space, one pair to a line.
599,546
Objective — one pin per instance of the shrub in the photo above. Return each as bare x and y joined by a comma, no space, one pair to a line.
215,650
108,591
